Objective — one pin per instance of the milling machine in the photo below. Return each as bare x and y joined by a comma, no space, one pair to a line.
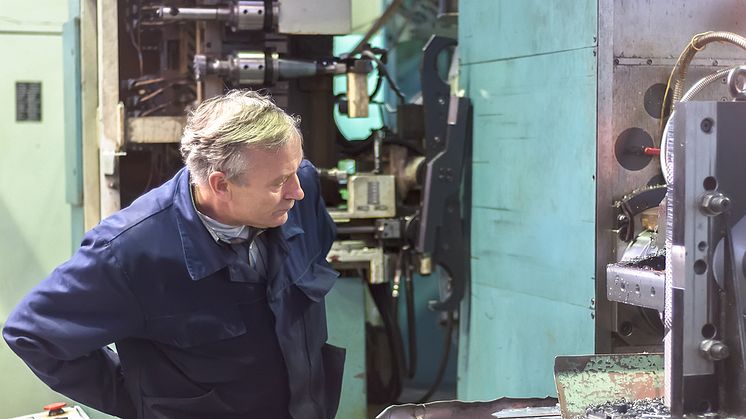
687,262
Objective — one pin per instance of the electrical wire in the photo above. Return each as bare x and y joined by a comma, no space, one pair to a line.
450,326
382,70
133,30
411,319
696,44
381,297
668,84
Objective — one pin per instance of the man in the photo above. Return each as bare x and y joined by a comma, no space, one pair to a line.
212,286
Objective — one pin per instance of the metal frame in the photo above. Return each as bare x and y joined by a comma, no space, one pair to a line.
634,53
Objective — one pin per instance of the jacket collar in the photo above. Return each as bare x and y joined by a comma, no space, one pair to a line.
204,256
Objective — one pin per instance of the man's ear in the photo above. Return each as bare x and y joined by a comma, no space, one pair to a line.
219,185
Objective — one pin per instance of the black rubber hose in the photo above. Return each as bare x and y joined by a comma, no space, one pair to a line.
382,297
382,70
411,320
443,361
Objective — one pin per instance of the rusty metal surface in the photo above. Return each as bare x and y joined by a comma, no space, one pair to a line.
595,379
504,408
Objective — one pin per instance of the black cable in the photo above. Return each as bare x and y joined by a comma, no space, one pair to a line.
382,70
379,83
133,25
381,296
411,320
443,361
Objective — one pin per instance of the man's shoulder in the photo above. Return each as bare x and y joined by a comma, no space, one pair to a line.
307,171
148,215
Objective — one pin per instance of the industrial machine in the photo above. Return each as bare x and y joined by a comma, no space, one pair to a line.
668,208
396,196
683,266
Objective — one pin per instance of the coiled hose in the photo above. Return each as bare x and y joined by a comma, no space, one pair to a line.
698,43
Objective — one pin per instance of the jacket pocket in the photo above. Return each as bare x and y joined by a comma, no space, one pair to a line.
198,327
334,361
203,406
317,281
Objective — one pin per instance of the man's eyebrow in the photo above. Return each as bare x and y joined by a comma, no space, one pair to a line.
281,177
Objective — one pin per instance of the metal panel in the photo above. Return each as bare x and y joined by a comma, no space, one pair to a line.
89,105
35,231
155,129
514,340
73,122
109,112
46,17
586,380
507,29
315,17
638,287
661,28
73,146
345,311
533,186
638,43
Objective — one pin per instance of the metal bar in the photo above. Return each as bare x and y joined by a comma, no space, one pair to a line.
387,14
108,90
636,286
89,104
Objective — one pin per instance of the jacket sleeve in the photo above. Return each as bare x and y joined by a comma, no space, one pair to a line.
60,329
327,229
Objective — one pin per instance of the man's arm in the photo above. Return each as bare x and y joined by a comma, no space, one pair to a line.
61,328
327,228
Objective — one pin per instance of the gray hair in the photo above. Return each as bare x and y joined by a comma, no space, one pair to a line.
219,130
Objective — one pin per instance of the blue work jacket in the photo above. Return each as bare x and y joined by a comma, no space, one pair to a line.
195,337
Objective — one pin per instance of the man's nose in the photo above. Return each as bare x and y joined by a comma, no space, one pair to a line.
293,190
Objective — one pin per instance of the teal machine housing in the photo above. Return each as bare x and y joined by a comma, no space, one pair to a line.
530,69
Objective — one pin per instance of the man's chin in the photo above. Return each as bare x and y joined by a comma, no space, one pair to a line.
280,220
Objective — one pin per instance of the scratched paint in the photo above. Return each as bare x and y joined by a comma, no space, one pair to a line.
587,380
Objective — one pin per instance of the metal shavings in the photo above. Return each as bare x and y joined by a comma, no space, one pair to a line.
627,409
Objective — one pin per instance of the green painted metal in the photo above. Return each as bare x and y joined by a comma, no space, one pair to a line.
595,379
345,312
530,69
73,126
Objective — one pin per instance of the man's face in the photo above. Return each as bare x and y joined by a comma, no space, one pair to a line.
263,195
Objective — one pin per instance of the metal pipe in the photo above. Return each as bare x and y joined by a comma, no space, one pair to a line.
698,43
377,140
194,13
387,14
242,15
356,230
257,67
